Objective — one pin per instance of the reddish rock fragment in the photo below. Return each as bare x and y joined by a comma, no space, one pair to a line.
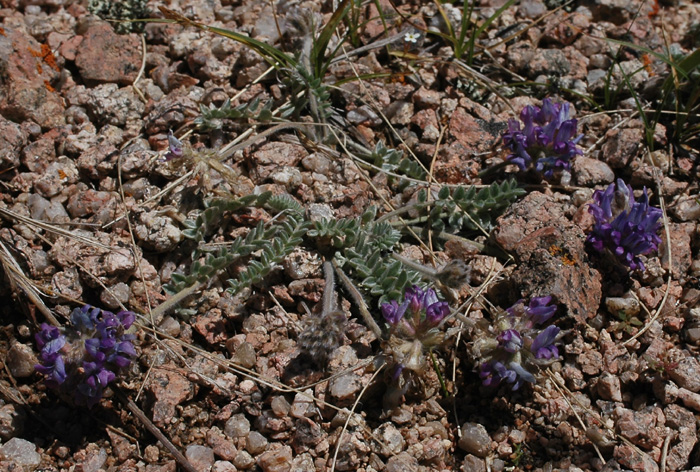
475,134
681,420
11,141
621,146
550,249
212,326
168,389
680,249
104,56
25,81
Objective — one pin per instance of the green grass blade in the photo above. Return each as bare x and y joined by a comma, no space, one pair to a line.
319,47
273,55
485,25
658,55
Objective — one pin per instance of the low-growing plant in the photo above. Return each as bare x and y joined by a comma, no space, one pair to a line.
463,38
414,331
304,74
121,13
83,359
624,228
548,139
514,346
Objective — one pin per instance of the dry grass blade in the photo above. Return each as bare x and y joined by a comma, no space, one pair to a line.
14,217
20,282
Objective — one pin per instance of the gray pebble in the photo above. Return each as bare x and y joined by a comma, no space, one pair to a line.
303,406
475,439
12,419
223,466
237,426
318,163
280,406
21,452
245,355
401,463
276,460
170,326
243,460
474,464
21,360
201,457
116,296
255,443
345,386
389,440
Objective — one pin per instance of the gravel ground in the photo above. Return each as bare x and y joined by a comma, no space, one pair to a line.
93,211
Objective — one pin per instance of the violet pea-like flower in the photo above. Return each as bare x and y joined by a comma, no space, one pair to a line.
83,358
623,226
510,340
548,137
540,310
393,312
543,346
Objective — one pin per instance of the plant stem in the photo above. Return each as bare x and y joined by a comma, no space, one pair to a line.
437,371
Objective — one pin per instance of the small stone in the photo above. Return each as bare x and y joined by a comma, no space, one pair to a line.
157,232
401,463
122,448
303,405
288,177
116,296
25,91
686,371
222,447
151,454
243,460
12,420
620,146
387,440
401,415
280,406
255,443
169,388
473,464
687,209
425,98
303,463
622,306
21,360
94,460
201,457
475,439
237,426
345,387
223,466
21,452
399,112
276,460
245,355
170,326
609,387
318,163
531,9
589,172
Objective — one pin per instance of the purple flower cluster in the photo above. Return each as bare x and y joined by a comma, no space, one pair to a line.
548,137
625,227
516,344
87,357
414,326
